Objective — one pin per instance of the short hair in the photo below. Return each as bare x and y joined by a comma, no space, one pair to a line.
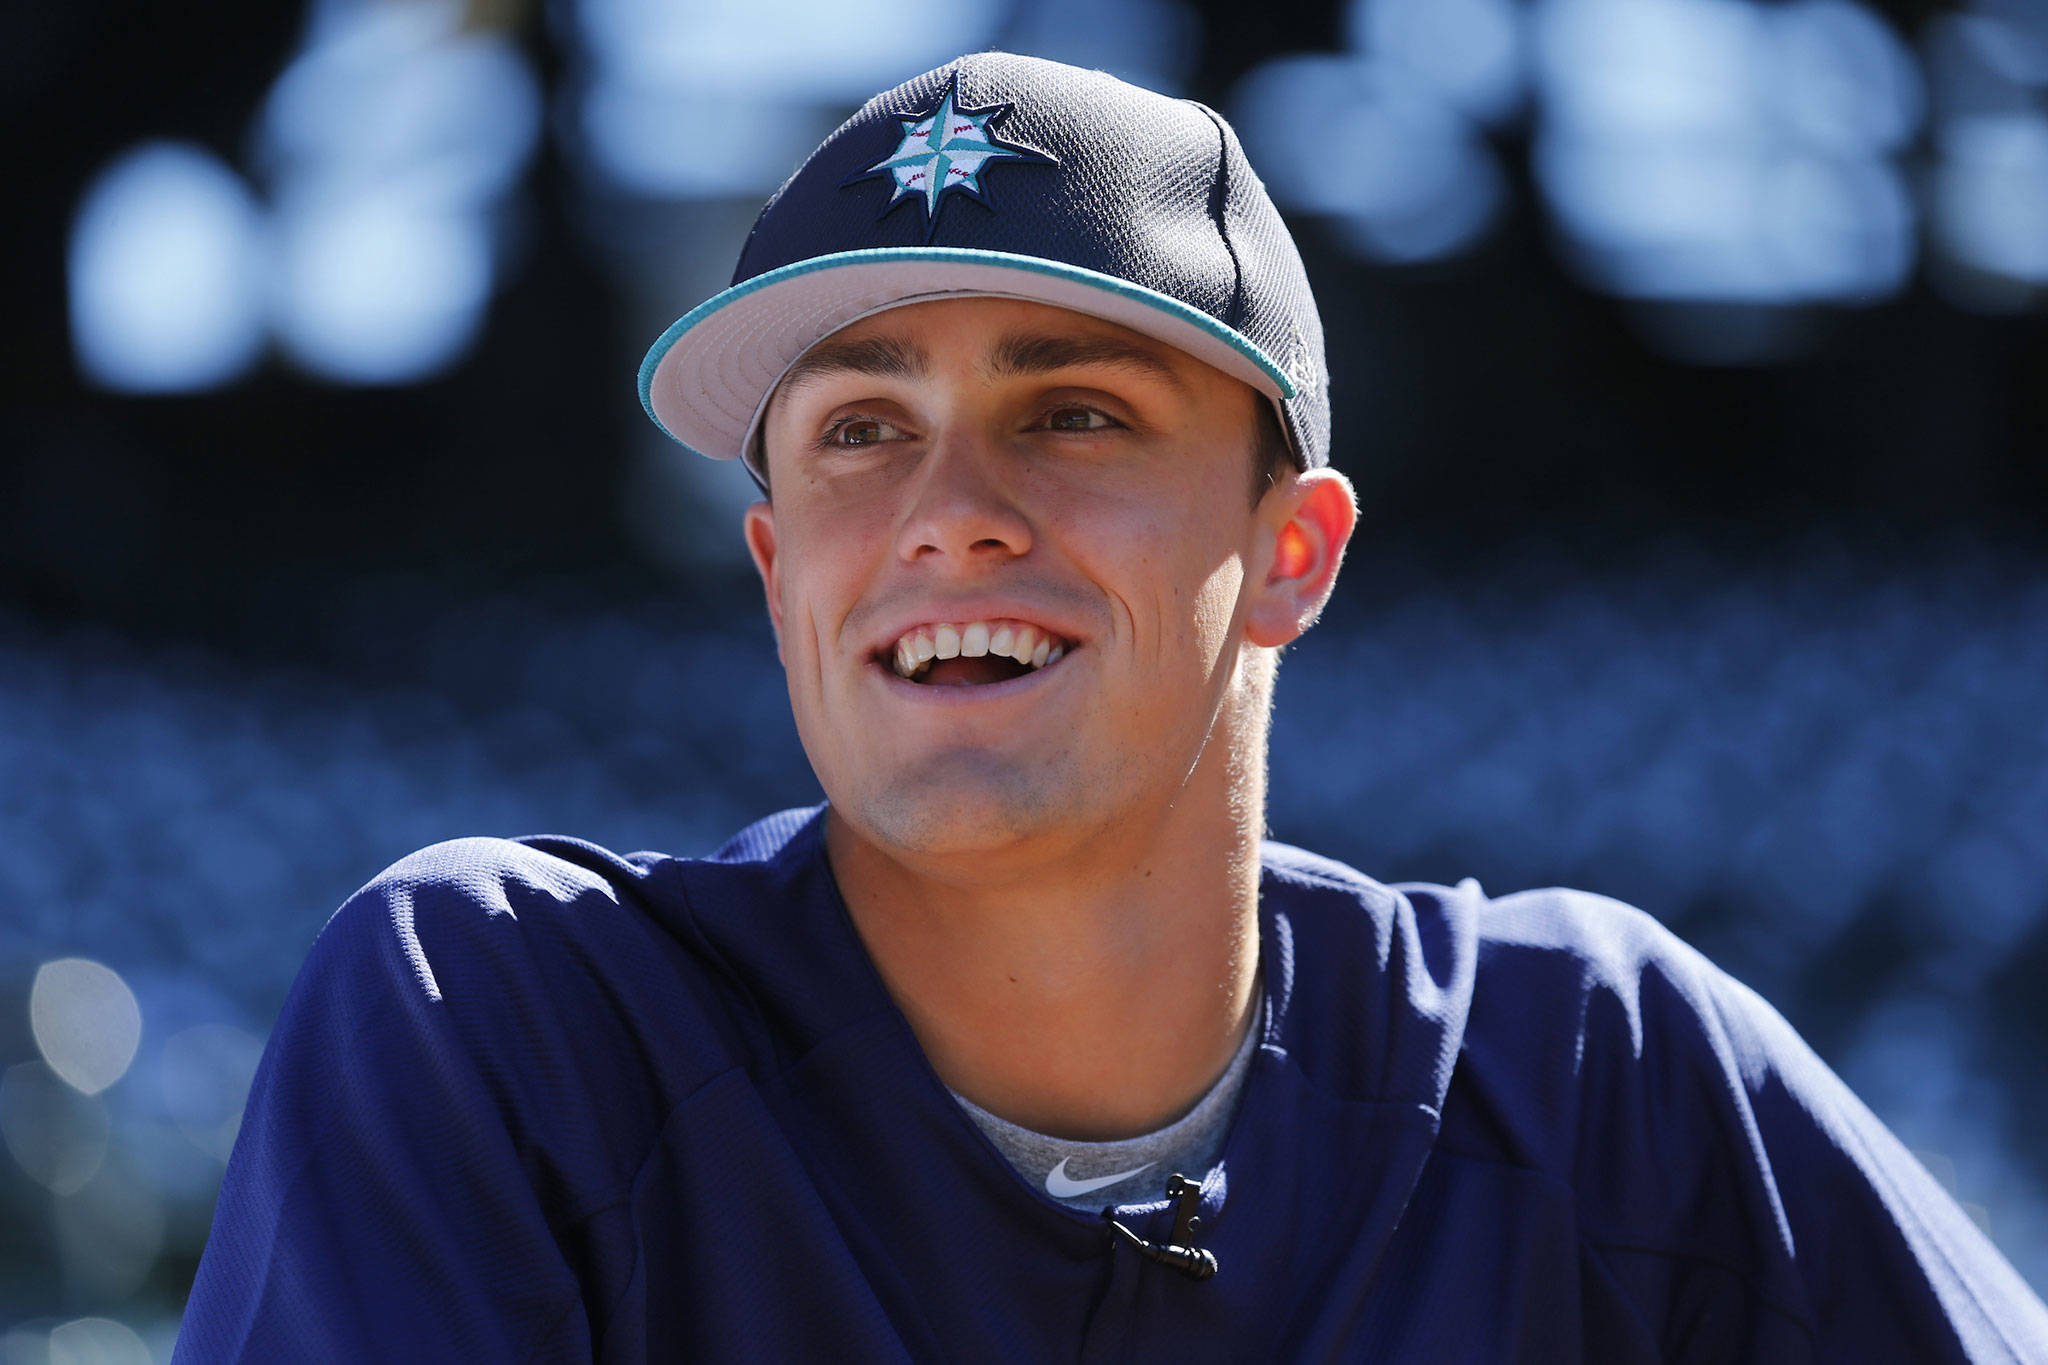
1272,456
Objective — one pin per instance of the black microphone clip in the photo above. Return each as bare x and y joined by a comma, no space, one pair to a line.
1197,1263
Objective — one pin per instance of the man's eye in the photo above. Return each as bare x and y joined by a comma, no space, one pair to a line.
1075,419
861,431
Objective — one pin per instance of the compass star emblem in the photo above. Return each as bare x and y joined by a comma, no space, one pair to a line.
945,150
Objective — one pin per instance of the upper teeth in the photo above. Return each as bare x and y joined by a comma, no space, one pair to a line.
1027,644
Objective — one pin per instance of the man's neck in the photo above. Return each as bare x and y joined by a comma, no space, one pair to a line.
1093,995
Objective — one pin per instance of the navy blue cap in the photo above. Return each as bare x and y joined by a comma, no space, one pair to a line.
1012,177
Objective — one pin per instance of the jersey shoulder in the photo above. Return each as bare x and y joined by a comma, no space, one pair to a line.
1591,1018
518,943
1531,989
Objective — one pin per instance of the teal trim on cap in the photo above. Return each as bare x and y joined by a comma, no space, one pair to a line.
951,255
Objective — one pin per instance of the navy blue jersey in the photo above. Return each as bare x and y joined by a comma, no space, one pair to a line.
531,1101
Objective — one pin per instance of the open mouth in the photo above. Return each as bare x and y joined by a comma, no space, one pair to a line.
973,653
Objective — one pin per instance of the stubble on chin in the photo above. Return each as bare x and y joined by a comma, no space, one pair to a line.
964,802
972,801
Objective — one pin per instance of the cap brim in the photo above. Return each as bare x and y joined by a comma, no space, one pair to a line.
708,378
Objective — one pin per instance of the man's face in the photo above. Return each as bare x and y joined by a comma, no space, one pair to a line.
956,473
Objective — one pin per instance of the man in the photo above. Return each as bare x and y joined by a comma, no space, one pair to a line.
1026,1047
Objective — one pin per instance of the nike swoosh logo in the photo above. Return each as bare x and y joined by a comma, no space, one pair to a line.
1060,1185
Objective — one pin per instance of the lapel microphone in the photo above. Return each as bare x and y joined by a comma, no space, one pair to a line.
1180,1252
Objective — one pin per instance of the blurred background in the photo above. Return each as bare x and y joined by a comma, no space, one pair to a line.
1689,356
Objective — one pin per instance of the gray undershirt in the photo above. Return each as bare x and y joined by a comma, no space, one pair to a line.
1189,1145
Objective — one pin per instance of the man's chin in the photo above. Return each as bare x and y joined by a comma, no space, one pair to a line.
975,809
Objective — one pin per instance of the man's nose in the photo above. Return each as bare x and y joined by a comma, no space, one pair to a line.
963,505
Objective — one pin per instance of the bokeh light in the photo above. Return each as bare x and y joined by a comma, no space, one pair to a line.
1839,80
1152,43
166,272
1991,204
55,1134
1470,50
799,49
86,1022
1372,146
390,144
401,92
97,1341
374,287
725,97
1717,151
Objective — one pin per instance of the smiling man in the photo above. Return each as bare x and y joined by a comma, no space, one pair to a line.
1027,573
1027,1045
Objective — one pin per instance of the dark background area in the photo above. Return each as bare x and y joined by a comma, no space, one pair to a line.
1758,645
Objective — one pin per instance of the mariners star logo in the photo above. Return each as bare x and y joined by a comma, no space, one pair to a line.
945,150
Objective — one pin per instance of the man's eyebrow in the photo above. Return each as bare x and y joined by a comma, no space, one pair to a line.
1023,353
882,356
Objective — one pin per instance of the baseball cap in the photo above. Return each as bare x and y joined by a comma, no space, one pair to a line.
1006,176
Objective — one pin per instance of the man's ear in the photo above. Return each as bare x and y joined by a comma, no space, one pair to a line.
1306,522
760,533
